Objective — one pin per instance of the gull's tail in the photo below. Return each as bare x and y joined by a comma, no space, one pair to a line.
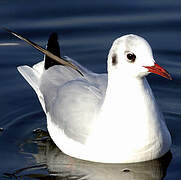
33,74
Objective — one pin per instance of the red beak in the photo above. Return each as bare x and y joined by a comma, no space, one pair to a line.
158,70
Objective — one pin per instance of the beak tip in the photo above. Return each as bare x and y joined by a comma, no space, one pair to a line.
170,78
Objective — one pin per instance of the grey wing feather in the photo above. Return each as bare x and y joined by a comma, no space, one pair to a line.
73,101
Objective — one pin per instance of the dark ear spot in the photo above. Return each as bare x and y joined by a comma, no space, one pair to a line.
114,59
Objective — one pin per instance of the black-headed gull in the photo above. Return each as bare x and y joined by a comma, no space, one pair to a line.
110,118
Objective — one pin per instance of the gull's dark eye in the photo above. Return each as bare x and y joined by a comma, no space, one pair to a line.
131,57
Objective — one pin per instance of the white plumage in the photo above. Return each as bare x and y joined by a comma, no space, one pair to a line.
110,118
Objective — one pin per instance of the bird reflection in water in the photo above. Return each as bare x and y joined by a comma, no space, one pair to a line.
57,165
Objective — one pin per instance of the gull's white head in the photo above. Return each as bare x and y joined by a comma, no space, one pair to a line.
132,56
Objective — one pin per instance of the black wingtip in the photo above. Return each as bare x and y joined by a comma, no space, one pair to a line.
53,47
56,58
53,37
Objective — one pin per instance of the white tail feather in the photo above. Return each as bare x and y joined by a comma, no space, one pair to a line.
32,76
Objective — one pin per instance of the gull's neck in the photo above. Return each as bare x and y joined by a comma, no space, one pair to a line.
122,83
128,94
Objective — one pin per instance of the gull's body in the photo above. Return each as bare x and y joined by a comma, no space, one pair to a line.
110,118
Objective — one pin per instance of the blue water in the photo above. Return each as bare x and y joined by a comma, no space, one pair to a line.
86,30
